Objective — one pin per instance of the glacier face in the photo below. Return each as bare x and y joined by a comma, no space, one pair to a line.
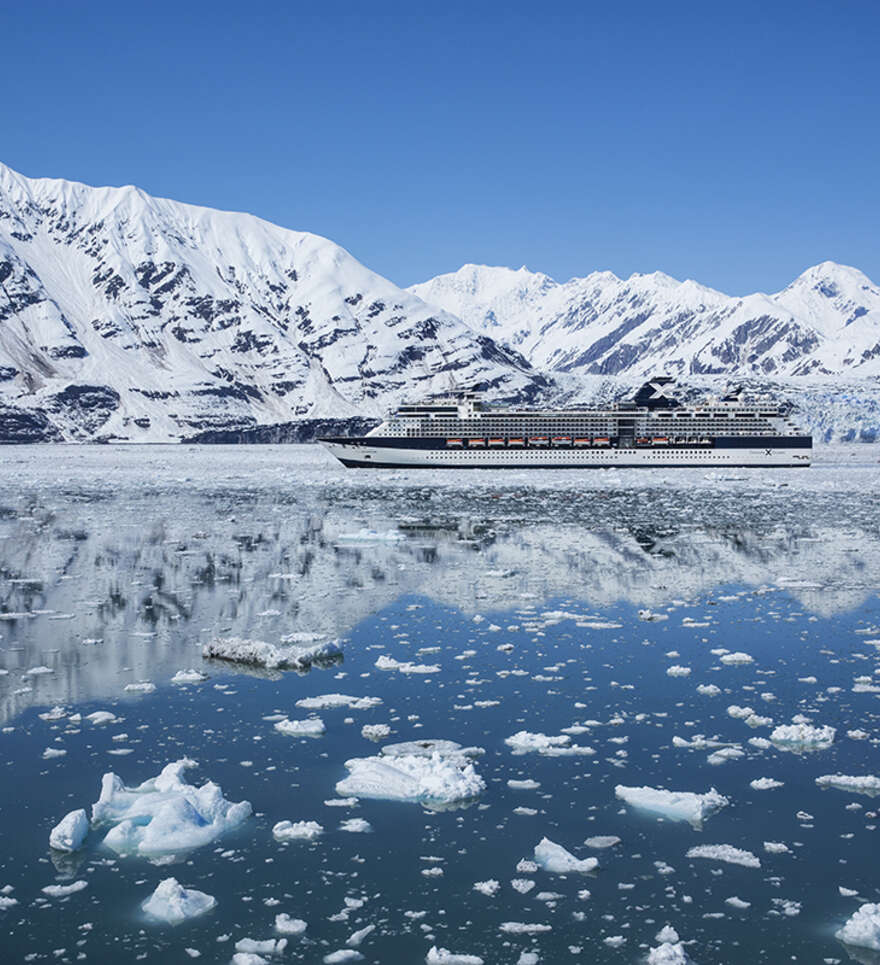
825,324
131,317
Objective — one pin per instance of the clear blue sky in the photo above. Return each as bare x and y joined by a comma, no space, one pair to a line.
731,142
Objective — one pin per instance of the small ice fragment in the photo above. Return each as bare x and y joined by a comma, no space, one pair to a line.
735,902
311,727
765,784
676,671
737,659
333,701
866,784
62,891
441,956
70,832
343,955
172,903
285,925
269,946
355,938
554,858
375,732
487,888
726,853
527,785
189,677
602,841
141,687
356,825
296,830
776,847
802,737
523,928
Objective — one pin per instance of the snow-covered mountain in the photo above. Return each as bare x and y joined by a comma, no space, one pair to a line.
826,323
131,317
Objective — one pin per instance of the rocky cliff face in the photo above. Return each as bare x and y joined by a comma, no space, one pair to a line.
124,316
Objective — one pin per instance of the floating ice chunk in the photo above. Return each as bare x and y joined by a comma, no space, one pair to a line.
37,671
846,892
280,657
523,928
356,826
669,953
248,958
756,720
172,903
614,941
435,782
554,858
526,785
165,814
6,902
141,687
708,690
296,830
802,737
375,732
102,717
725,754
311,727
447,749
333,701
862,930
189,677
522,885
389,663
735,902
285,925
776,847
525,742
62,891
674,805
678,671
867,784
269,946
487,888
740,713
355,938
440,956
737,659
56,713
725,852
51,752
70,832
528,958
602,841
765,784
343,955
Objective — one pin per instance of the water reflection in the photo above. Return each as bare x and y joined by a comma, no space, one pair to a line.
102,588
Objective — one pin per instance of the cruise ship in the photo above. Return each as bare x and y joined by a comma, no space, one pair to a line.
654,429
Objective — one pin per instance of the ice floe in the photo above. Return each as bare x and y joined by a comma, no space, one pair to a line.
165,814
173,904
375,732
674,805
765,784
866,784
70,832
560,745
389,663
311,727
285,925
488,888
296,830
189,677
441,956
272,656
553,857
334,701
726,853
62,891
437,782
862,930
802,737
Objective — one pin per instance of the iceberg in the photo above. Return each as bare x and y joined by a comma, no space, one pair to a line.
553,857
438,782
296,830
862,929
727,853
802,737
172,903
674,805
272,656
311,727
165,814
441,956
866,784
70,832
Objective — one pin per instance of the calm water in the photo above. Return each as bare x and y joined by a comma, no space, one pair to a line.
117,564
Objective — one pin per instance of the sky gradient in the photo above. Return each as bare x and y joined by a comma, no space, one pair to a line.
732,143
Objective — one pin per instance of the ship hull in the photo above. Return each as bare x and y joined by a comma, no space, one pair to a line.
371,453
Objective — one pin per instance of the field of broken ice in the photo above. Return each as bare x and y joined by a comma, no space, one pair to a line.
255,707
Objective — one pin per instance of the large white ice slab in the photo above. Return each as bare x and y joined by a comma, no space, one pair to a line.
802,737
436,782
863,928
442,956
726,853
674,805
865,784
165,814
172,903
